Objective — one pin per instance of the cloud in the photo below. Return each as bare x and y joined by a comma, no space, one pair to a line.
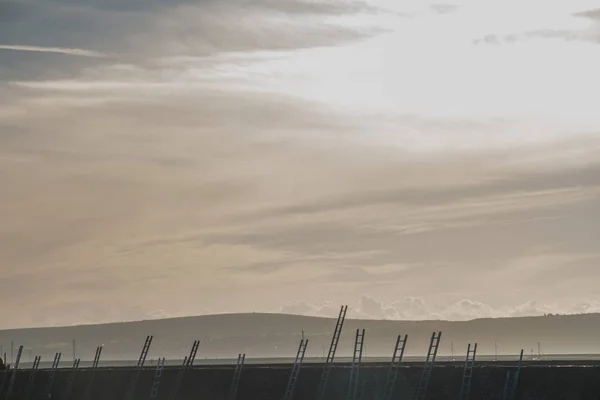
298,307
73,52
414,308
289,149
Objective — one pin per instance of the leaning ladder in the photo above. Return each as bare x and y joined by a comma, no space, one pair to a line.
13,375
465,389
188,361
71,380
90,385
157,375
429,362
362,390
331,355
392,374
237,374
512,381
34,368
289,391
139,367
48,391
353,385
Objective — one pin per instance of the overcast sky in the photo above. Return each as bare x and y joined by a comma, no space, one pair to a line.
410,159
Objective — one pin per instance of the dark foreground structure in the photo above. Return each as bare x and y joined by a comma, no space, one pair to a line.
537,380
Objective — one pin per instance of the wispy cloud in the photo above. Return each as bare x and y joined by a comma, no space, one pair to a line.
72,52
297,149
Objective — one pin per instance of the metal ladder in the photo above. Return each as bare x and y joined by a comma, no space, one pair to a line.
48,391
356,360
331,354
392,374
289,391
512,381
71,380
90,385
13,375
138,370
188,361
34,368
236,376
465,389
159,369
429,362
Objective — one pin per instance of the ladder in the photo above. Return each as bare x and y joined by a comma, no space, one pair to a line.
512,381
90,385
289,391
429,362
13,375
356,359
138,370
71,380
236,376
188,361
362,390
465,389
5,375
97,356
392,374
159,369
51,375
193,352
34,368
331,354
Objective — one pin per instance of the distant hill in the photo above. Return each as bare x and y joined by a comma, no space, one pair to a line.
277,335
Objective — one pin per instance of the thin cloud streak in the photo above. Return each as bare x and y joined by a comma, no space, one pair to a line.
61,50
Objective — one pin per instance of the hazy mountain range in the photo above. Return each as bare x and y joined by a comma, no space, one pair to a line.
277,335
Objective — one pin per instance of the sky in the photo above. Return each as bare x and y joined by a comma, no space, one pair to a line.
411,159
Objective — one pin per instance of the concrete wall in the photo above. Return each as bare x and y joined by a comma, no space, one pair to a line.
269,383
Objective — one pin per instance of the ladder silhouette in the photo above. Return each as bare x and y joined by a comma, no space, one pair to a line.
159,369
356,359
331,354
13,375
236,376
71,380
34,368
90,385
429,362
138,370
51,375
465,389
188,361
512,381
362,390
289,391
392,374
